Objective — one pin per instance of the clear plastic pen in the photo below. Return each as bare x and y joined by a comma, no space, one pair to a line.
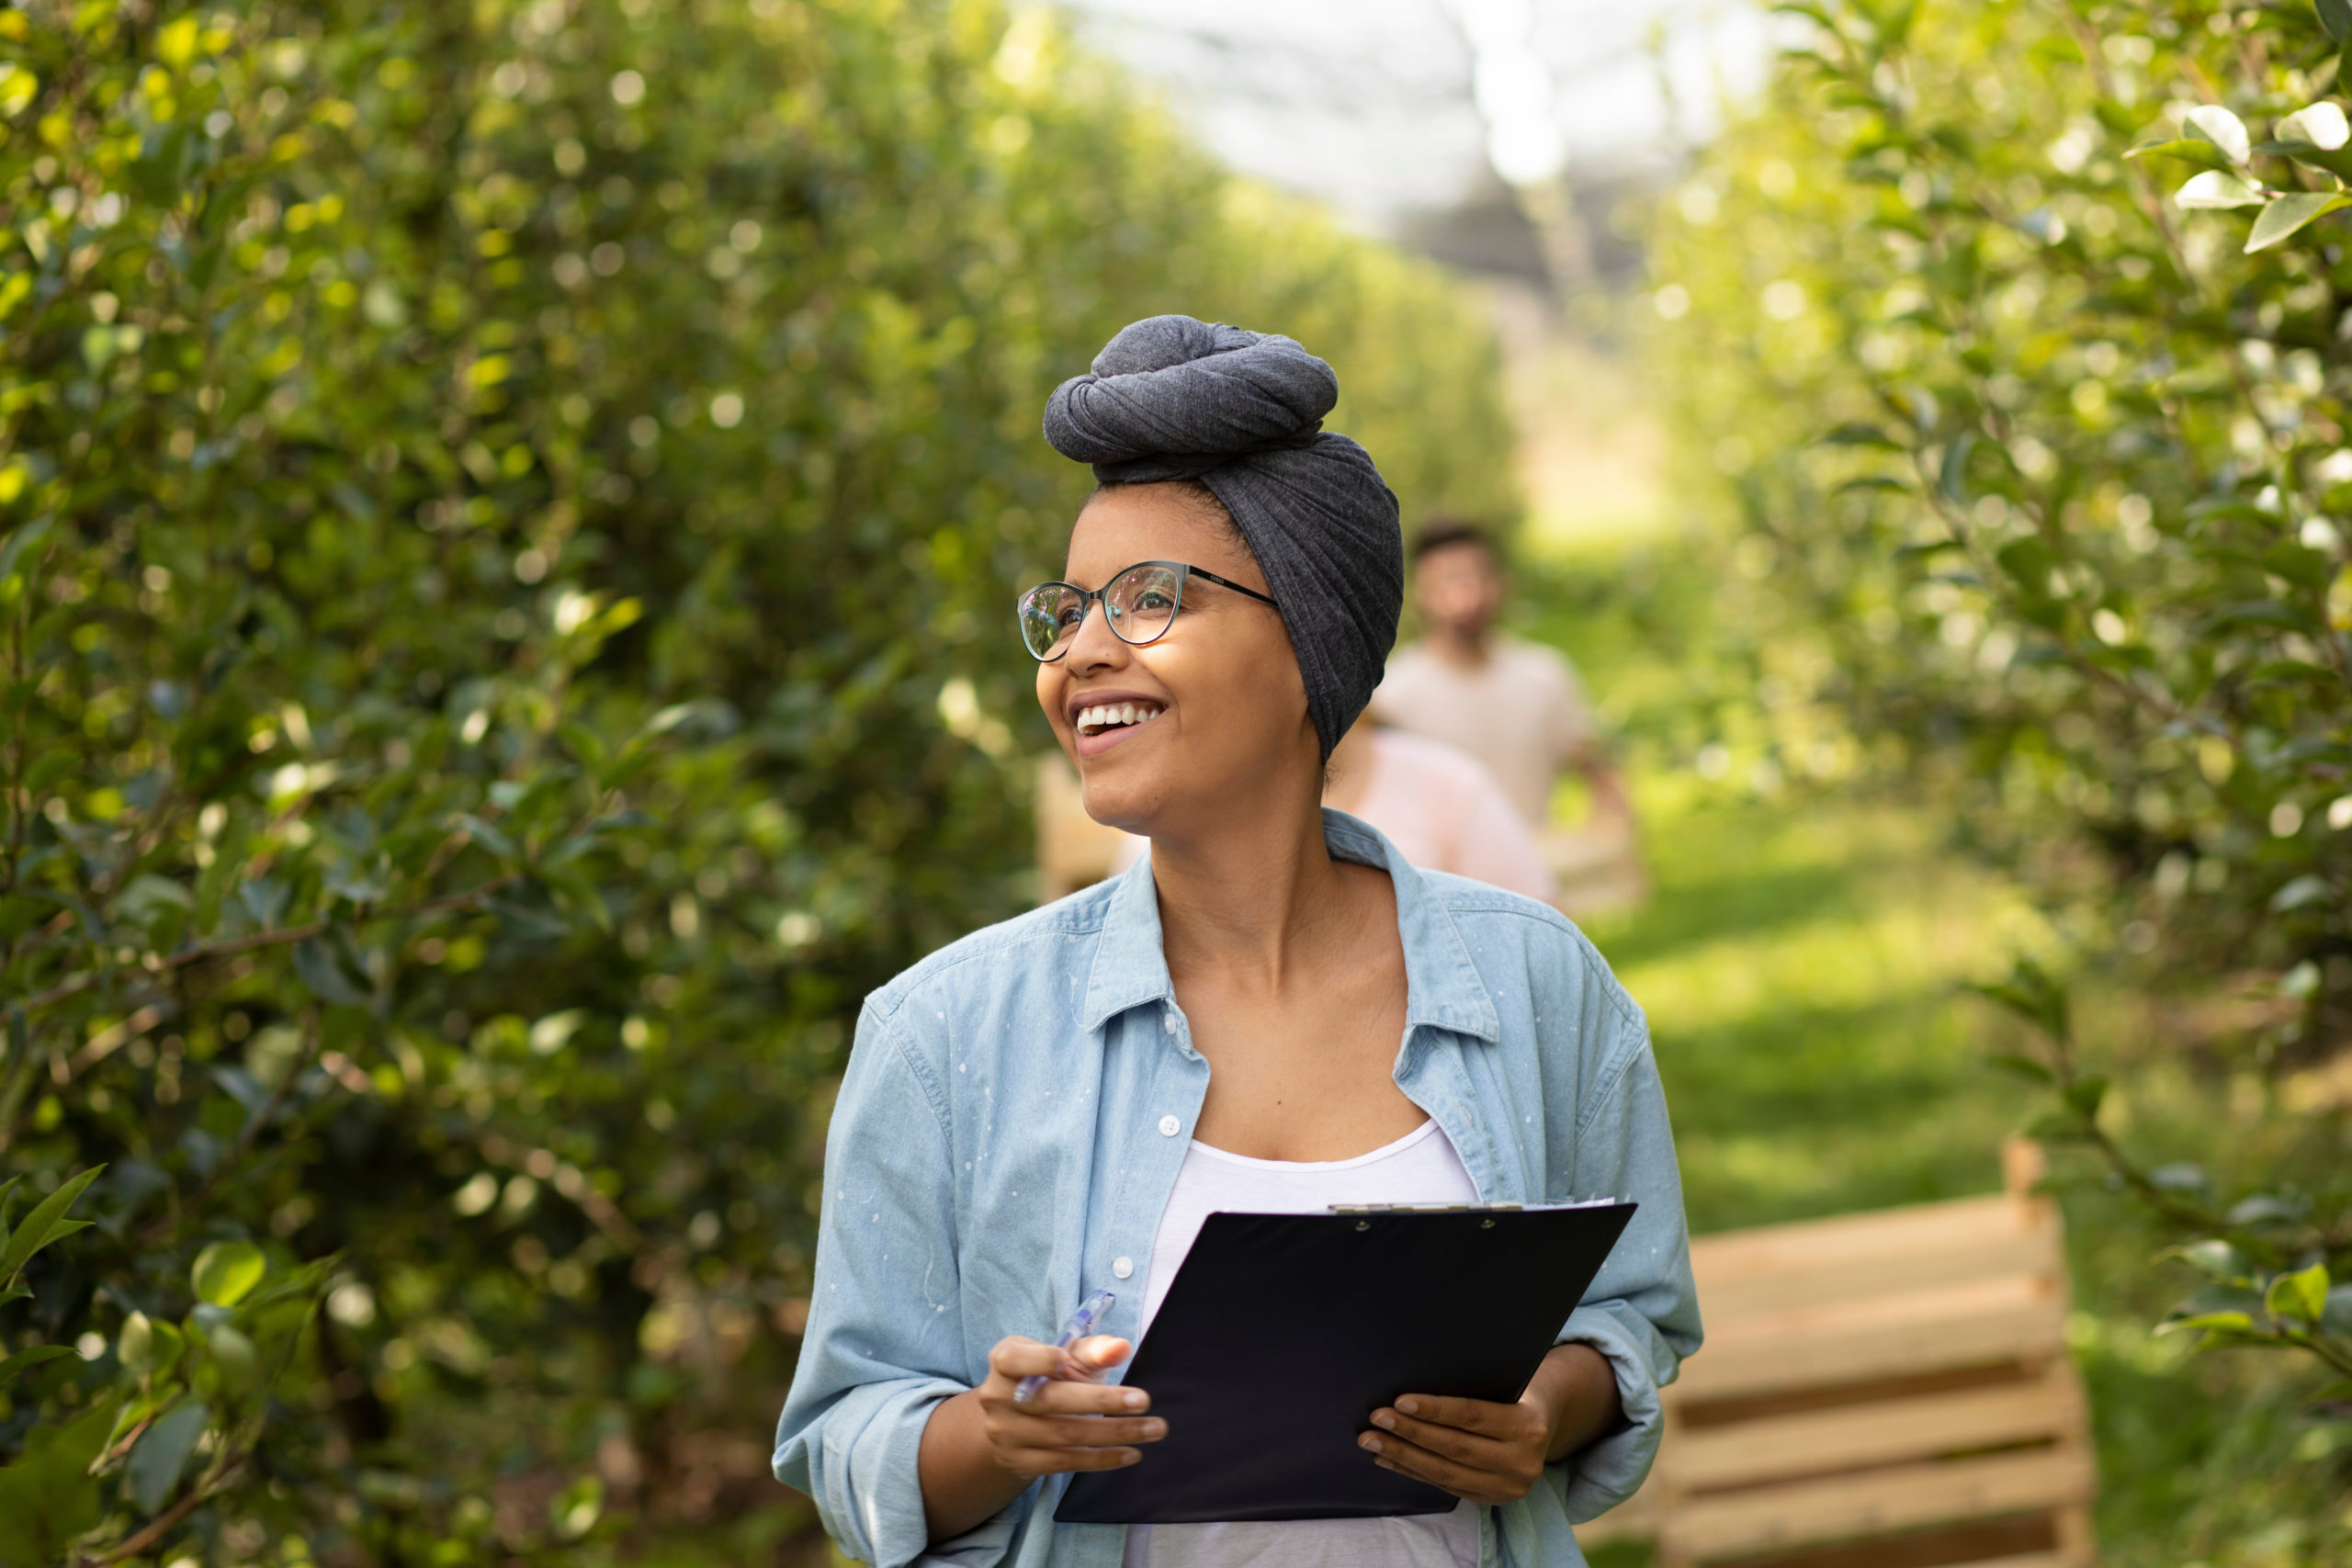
1081,1324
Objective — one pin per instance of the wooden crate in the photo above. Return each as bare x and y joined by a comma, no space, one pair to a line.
1888,1389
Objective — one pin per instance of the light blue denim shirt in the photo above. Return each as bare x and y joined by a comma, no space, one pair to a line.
1011,1124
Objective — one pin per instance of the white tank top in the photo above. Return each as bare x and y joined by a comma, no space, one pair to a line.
1419,1168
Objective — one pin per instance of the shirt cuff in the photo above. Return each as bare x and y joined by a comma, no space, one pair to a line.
1612,1467
862,1466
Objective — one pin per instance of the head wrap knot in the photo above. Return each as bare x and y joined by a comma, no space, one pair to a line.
1171,398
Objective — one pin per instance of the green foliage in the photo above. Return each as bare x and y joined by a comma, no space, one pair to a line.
510,513
2042,458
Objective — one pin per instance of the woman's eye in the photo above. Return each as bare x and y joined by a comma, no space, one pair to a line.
1070,616
1153,599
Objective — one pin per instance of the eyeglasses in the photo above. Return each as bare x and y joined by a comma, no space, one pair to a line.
1140,604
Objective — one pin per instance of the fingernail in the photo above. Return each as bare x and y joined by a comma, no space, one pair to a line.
1154,1428
1386,1465
1372,1442
1136,1398
1129,1457
1381,1418
1409,1405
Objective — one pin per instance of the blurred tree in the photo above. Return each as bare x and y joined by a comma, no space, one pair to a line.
2042,475
510,515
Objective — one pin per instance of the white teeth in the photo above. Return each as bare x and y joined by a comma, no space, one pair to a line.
1105,716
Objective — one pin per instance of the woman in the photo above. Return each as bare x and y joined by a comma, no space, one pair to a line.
1271,1011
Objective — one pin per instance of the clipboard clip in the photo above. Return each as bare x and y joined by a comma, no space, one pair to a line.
1426,1207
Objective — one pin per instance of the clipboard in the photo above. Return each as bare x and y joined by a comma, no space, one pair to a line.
1282,1333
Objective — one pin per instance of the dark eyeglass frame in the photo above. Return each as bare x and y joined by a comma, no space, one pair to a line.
1089,597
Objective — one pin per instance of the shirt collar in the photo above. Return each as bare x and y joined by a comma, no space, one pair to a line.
1441,985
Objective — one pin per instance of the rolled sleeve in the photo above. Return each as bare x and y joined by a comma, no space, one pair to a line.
1612,1468
858,1458
1642,1312
883,1341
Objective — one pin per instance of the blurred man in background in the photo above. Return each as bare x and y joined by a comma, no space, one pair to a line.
1515,706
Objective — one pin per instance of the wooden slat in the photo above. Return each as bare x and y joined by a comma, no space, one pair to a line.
1882,1234
1727,1301
1991,1321
1874,1501
1891,1431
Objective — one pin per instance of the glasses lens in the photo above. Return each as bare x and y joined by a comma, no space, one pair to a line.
1049,616
1142,602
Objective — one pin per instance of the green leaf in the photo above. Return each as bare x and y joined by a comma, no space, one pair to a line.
485,835
1951,478
2321,125
1854,433
2209,1320
2212,123
2286,214
135,1346
226,1271
320,969
2084,1095
2032,994
232,1361
45,1224
2335,16
2055,1127
49,1496
2215,1260
23,1362
160,1457
2301,1295
2216,188
573,1512
20,542
2025,1066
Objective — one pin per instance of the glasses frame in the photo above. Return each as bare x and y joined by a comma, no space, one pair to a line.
1089,597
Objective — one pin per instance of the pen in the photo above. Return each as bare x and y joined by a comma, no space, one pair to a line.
1082,1322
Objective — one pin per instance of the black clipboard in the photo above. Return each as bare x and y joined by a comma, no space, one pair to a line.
1282,1333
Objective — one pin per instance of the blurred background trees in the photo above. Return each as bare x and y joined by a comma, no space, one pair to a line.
507,518
510,517
2035,449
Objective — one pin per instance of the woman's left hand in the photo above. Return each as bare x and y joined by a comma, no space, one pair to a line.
1495,1453
1489,1453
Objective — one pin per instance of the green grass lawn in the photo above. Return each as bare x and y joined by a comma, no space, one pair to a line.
1800,965
1802,960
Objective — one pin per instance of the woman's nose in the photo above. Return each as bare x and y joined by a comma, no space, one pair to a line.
1094,646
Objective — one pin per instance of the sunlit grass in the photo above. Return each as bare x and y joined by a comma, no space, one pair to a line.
1800,963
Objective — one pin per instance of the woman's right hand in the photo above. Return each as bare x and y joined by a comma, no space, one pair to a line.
981,1450
1076,1421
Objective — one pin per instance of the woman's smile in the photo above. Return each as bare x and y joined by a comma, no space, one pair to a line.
1100,720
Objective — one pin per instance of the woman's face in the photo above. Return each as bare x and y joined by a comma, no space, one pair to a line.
1220,709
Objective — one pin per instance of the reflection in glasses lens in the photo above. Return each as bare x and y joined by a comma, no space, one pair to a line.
1140,604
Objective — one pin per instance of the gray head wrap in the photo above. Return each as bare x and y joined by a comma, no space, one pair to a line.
1171,398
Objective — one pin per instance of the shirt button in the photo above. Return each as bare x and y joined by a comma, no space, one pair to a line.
1168,1125
1123,1267
1168,1022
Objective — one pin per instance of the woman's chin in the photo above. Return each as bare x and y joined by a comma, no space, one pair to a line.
1116,804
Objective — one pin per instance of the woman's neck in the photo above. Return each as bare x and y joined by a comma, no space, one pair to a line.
1348,773
1255,900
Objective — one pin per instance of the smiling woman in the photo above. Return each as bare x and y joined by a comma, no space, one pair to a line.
1271,1011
